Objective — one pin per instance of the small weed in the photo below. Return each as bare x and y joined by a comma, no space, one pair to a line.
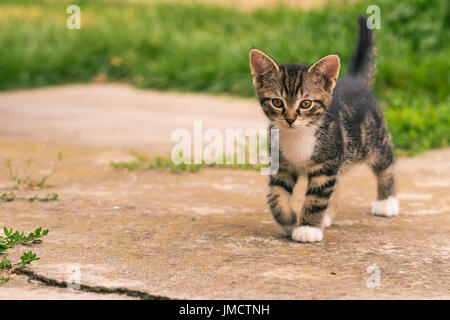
8,196
143,163
23,180
50,197
4,280
10,240
11,196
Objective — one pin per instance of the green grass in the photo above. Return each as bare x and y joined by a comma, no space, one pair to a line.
205,48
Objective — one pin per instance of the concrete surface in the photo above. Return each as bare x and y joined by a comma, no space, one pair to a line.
208,234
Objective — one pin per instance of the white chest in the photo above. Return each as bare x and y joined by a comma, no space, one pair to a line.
297,146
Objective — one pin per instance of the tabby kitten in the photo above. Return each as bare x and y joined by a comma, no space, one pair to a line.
324,125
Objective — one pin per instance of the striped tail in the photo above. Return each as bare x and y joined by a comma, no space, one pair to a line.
362,64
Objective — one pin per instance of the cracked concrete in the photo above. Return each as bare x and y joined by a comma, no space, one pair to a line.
21,287
209,234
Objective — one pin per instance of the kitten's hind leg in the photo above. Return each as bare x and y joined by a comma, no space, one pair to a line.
330,213
327,221
382,165
281,187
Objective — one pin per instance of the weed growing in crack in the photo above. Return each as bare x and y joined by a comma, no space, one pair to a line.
10,240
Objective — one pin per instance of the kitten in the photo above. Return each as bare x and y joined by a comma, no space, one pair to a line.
324,125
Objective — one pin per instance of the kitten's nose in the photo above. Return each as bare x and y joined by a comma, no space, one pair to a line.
290,120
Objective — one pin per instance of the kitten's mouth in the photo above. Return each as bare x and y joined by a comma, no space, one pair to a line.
293,126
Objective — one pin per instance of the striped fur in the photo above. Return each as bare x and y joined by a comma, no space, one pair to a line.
325,125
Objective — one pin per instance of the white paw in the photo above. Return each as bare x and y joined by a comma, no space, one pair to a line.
307,234
385,208
326,222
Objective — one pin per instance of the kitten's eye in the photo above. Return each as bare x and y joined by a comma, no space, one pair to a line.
277,103
305,104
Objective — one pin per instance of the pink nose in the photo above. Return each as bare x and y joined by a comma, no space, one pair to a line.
290,120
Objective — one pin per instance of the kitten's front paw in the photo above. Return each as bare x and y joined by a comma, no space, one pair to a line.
307,234
385,208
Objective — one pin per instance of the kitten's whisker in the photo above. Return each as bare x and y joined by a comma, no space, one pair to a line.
316,127
326,112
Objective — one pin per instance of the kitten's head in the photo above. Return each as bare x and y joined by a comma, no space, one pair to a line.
293,96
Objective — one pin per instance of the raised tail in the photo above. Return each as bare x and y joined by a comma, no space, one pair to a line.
362,64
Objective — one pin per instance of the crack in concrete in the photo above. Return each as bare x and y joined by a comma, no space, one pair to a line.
87,288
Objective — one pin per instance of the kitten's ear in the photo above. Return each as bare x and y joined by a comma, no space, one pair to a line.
328,67
261,63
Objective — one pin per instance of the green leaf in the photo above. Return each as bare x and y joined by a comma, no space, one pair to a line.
4,280
5,263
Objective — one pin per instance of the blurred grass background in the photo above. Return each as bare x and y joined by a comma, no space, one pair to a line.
204,48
